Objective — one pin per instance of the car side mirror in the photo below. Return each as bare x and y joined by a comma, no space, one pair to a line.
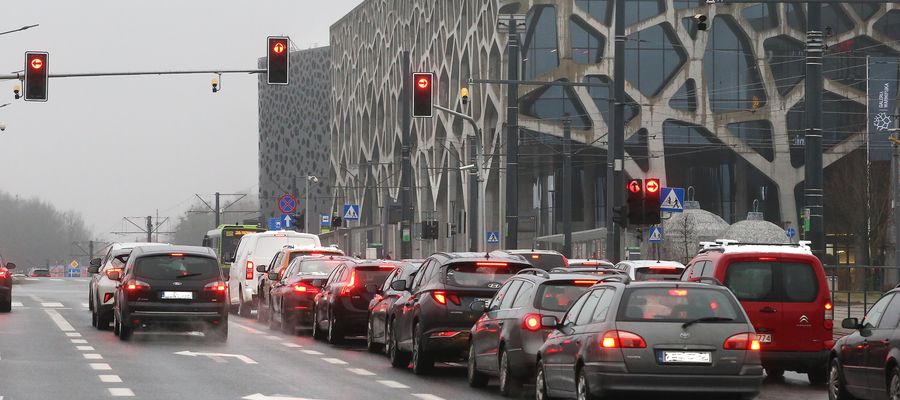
95,262
273,276
115,275
261,268
478,306
93,270
850,323
10,265
399,285
549,321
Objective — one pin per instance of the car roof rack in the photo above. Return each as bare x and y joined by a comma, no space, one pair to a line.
701,279
721,244
535,272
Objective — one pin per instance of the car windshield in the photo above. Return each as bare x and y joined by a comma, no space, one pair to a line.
484,274
303,253
269,245
658,273
372,275
317,267
558,296
674,304
176,267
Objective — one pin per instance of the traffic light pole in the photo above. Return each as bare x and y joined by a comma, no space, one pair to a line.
405,159
20,76
567,202
813,187
512,137
615,154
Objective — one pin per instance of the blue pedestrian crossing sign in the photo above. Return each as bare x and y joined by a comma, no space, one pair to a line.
493,237
656,234
274,224
325,221
790,232
287,221
351,212
672,200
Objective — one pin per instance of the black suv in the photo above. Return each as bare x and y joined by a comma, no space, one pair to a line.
863,365
6,287
506,339
172,288
343,303
433,321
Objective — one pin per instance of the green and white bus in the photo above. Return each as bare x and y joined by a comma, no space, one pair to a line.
224,240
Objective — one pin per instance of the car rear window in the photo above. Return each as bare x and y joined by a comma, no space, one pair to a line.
481,274
176,267
372,275
304,253
317,267
674,304
544,261
269,245
558,296
658,273
772,281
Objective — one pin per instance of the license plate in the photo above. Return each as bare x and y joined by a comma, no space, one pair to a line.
764,338
687,357
177,295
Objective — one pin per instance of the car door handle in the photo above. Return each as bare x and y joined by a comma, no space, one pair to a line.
768,310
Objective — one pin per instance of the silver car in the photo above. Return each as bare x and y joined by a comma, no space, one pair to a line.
661,337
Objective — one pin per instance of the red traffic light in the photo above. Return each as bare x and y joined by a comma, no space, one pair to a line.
652,185
278,48
36,63
422,101
277,60
423,83
634,186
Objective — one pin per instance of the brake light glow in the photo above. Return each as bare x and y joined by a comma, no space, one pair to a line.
280,235
3,273
107,296
112,270
622,339
441,297
566,261
662,268
136,285
767,259
532,322
535,257
591,263
350,284
828,322
585,283
316,254
177,254
386,267
828,306
216,287
250,266
678,292
304,288
491,264
742,341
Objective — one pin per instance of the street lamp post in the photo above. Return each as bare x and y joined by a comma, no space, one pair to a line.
313,179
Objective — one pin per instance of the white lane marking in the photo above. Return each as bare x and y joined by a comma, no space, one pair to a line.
292,345
85,305
51,304
260,396
110,379
32,279
393,384
245,359
73,334
273,337
55,279
92,356
360,371
60,322
17,304
247,328
78,341
100,366
121,392
312,352
426,396
336,361
84,348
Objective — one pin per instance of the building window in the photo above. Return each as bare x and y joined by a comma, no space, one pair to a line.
587,43
555,103
541,44
598,9
653,56
732,76
602,96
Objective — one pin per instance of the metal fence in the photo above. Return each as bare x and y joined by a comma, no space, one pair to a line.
855,288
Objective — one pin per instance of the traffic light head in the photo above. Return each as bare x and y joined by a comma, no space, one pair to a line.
36,76
700,21
422,94
278,60
652,191
635,189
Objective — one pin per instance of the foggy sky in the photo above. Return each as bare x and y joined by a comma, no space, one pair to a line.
126,146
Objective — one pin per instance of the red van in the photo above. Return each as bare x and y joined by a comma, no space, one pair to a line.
784,291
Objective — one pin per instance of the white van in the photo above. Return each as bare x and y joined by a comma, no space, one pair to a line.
258,249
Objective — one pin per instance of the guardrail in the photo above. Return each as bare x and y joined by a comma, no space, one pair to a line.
855,288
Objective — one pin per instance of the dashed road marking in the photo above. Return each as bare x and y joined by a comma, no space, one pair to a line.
336,361
100,366
247,328
85,305
55,279
60,322
291,345
84,348
393,384
270,337
92,356
73,334
110,379
121,392
78,341
51,304
360,371
426,396
312,352
17,304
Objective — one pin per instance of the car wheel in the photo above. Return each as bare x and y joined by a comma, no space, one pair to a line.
316,329
399,358
334,334
540,383
477,379
894,385
582,389
125,332
115,325
818,376
94,318
218,333
836,386
288,325
103,320
774,373
421,360
243,307
509,384
371,345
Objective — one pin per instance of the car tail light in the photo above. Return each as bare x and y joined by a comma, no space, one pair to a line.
390,267
177,254
767,259
585,283
532,322
441,297
678,292
107,296
249,270
345,291
742,341
112,270
3,273
304,288
622,339
491,264
566,262
135,285
829,323
220,287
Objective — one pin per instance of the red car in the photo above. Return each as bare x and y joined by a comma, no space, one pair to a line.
6,287
784,291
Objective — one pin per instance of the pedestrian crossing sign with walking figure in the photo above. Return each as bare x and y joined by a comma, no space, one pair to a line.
672,200
493,237
351,212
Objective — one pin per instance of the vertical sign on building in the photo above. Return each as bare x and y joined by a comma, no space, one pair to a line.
884,77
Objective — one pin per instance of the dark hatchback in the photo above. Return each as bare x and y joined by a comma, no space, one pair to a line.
506,339
292,296
382,305
433,322
864,364
171,288
342,305
6,287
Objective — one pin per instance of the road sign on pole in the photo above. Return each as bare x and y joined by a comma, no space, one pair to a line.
287,221
274,224
656,234
493,237
325,221
672,200
790,232
351,212
287,204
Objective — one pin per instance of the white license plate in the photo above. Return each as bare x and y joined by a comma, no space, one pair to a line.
177,295
688,357
764,338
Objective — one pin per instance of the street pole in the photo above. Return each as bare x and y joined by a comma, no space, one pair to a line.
149,229
615,154
218,218
567,200
306,217
512,137
813,185
473,197
405,158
